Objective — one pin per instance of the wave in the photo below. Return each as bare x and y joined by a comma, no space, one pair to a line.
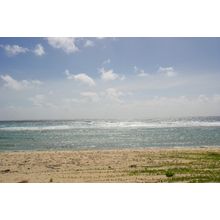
37,128
111,124
164,124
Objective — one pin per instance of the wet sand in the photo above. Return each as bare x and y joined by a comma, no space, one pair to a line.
141,165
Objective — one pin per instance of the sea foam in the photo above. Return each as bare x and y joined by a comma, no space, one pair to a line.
113,124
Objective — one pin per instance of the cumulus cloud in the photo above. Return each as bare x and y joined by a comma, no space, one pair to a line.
39,50
67,44
89,43
163,71
92,96
81,77
84,78
13,50
108,75
167,71
11,83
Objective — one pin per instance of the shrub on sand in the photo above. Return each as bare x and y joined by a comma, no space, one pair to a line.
169,173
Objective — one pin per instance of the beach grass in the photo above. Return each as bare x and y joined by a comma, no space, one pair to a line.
197,166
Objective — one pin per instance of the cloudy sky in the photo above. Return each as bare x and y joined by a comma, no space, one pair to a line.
128,78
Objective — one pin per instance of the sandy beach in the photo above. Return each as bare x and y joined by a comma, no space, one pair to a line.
142,165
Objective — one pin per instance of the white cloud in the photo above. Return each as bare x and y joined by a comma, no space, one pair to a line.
84,78
35,82
93,96
67,44
11,83
108,75
89,43
39,50
140,72
113,94
167,71
13,50
81,77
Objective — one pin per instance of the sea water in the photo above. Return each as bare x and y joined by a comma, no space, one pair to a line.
109,134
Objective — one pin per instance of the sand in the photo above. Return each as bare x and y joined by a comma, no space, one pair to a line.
142,165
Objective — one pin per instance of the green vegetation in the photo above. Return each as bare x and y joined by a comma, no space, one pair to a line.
213,156
169,173
189,166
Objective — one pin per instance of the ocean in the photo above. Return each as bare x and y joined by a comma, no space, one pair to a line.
109,134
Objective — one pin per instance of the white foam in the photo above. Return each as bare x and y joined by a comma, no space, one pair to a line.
124,124
37,128
163,124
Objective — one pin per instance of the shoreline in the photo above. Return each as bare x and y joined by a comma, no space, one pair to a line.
152,164
111,149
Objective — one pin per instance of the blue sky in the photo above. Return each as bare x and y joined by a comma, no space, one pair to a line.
56,78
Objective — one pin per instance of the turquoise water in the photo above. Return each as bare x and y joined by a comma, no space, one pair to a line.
109,134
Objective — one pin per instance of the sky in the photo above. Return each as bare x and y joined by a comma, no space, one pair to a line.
107,78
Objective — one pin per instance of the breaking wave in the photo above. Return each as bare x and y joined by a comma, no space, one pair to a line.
111,124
